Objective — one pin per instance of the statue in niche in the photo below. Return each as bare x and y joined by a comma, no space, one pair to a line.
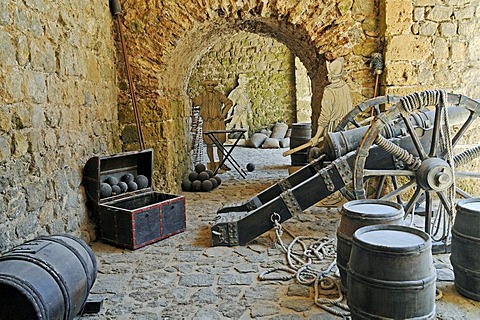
336,102
241,112
214,107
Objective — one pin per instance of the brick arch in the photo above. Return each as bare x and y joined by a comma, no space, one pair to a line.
165,40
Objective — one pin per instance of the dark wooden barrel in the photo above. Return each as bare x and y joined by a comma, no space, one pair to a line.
391,274
301,134
46,278
465,255
357,214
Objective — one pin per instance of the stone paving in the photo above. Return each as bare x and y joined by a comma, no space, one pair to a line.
184,277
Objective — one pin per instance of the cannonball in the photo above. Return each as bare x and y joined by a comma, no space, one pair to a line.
207,185
196,185
132,186
214,182
128,177
141,181
202,176
199,167
210,173
116,189
123,186
186,185
219,180
111,180
250,167
105,190
193,176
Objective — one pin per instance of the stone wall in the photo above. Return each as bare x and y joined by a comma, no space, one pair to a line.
58,105
432,44
303,88
269,66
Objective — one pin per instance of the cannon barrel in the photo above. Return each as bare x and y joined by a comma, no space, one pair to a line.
46,278
337,144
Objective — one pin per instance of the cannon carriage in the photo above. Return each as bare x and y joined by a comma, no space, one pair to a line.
404,146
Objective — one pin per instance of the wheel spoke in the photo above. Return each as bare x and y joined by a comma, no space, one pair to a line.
380,186
374,172
399,191
428,212
463,193
445,202
416,141
462,130
436,132
395,186
462,174
413,200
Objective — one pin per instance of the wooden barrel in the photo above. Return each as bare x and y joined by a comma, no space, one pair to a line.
391,274
357,214
465,255
301,134
46,278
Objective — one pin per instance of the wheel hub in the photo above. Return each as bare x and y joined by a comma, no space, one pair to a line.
435,174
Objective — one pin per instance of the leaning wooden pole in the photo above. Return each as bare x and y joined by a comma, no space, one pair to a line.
116,11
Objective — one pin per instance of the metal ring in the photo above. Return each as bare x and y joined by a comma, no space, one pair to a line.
275,217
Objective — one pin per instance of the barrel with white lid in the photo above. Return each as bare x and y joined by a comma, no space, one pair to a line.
357,214
391,274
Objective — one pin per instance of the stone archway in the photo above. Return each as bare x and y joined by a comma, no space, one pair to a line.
194,46
167,38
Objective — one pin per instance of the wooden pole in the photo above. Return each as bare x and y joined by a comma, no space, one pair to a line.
301,147
116,10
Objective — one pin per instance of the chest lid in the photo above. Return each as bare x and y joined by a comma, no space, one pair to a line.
118,176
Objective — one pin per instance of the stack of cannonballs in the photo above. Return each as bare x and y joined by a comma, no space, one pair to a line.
111,186
201,180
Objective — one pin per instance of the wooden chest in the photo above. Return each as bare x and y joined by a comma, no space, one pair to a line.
131,218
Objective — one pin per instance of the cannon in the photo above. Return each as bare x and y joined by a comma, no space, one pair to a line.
406,148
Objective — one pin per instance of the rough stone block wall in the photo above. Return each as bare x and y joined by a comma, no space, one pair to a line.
269,66
432,44
303,88
58,108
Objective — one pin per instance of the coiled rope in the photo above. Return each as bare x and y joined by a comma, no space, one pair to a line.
412,161
301,266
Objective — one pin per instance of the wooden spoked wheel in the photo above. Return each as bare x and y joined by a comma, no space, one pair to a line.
426,173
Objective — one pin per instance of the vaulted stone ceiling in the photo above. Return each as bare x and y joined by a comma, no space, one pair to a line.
166,38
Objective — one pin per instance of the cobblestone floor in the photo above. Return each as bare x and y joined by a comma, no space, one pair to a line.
184,277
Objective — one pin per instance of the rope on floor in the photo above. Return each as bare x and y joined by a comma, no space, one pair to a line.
302,259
